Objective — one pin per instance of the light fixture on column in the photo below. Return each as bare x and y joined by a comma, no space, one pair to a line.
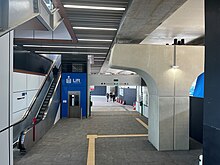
174,66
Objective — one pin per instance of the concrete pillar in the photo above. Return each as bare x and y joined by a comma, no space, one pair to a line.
211,120
168,88
6,70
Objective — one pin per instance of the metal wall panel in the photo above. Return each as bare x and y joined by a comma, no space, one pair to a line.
5,81
4,151
6,67
211,124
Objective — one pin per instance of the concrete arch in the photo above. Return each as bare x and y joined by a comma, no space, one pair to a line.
168,88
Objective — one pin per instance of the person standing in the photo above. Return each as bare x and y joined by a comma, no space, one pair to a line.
107,95
113,98
110,96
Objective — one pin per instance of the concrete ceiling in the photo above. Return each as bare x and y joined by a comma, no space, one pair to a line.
144,16
159,22
186,23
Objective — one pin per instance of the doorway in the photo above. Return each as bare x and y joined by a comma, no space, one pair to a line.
74,107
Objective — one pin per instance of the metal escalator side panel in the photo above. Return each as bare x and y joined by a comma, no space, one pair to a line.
32,135
34,107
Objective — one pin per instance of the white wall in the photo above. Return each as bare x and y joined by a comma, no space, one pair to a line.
25,87
142,95
145,101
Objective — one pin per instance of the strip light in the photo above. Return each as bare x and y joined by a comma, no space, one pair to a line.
56,52
95,40
98,57
94,7
74,47
94,28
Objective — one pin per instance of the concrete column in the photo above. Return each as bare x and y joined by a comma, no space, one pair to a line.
6,70
168,88
211,120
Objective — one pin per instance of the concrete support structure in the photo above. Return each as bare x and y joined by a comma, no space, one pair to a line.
211,121
168,87
6,71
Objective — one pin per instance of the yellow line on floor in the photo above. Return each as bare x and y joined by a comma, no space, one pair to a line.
91,146
142,123
116,136
91,150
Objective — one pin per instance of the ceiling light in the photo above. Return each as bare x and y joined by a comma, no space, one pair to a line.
99,60
95,40
98,57
71,47
94,28
57,52
94,7
175,66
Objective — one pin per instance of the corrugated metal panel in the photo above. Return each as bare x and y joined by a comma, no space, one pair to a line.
95,18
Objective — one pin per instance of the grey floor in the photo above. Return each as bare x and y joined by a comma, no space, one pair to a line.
66,143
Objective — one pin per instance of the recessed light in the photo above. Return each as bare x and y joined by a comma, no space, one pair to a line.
93,28
94,7
98,57
71,47
57,52
95,40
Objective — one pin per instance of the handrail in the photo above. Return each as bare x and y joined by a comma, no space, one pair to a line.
32,102
51,96
50,102
43,99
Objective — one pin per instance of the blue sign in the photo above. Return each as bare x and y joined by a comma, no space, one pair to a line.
74,82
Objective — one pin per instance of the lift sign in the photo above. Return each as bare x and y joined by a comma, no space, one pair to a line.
75,81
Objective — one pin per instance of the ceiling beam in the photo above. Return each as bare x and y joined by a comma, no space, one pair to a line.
66,21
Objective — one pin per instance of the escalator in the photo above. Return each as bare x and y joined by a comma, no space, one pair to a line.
44,116
41,114
43,109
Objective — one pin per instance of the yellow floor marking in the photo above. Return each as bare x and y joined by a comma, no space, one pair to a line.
91,150
142,123
115,136
91,146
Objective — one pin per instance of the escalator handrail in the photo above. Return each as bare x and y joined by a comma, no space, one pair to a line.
44,98
58,79
32,102
51,99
